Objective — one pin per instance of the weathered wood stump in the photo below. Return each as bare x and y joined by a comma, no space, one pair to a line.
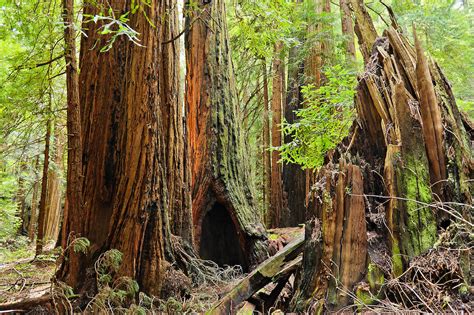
388,189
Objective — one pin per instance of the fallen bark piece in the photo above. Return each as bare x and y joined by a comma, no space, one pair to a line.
280,265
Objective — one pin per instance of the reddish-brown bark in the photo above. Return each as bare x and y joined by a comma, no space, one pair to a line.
220,169
127,112
276,197
44,191
267,160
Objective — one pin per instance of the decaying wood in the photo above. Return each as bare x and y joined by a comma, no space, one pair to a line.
386,179
364,28
272,269
24,305
431,119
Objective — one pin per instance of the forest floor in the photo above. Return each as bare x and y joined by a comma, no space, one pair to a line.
21,274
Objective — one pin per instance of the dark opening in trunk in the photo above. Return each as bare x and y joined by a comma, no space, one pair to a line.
219,239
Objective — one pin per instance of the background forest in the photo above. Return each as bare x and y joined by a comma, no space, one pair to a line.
290,116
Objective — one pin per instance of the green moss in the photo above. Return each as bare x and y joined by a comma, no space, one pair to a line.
397,263
273,236
375,277
463,289
364,297
420,224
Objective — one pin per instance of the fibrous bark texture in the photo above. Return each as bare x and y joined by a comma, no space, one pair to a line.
220,169
379,199
267,159
74,179
53,199
127,111
276,185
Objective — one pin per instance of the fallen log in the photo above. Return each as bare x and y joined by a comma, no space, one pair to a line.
25,305
281,265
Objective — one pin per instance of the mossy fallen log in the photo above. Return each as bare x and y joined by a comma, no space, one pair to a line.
272,269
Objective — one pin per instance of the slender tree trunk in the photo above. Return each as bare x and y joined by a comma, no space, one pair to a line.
347,30
34,205
53,204
226,220
21,199
74,182
267,162
44,192
276,197
127,111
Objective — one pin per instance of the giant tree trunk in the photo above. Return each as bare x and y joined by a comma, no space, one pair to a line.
127,112
226,222
377,197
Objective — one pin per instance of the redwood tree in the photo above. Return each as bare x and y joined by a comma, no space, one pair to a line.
294,177
226,222
127,111
276,186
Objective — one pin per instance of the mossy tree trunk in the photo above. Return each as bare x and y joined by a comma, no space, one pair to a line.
220,168
130,119
380,196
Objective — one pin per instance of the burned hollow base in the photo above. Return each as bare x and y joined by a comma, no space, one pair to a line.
219,240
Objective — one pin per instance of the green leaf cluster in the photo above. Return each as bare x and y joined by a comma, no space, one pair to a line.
323,122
